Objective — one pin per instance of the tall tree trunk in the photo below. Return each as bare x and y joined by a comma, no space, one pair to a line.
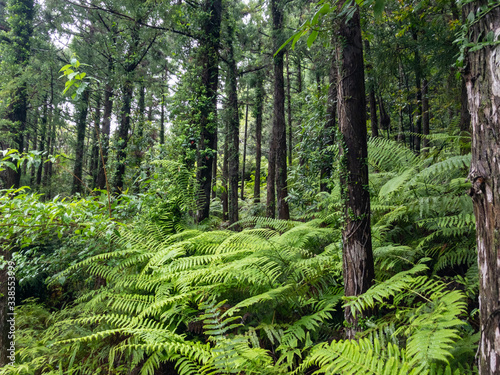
225,174
41,145
141,120
425,114
331,113
259,106
242,196
94,158
483,86
418,85
123,135
465,120
105,133
385,120
21,23
371,93
81,126
233,129
356,236
208,60
289,110
279,126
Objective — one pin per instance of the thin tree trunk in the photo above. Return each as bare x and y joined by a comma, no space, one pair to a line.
259,105
244,152
225,174
483,87
418,84
94,159
41,145
102,179
123,136
465,121
331,113
425,114
81,124
289,108
356,236
233,130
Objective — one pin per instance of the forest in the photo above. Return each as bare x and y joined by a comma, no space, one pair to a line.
249,187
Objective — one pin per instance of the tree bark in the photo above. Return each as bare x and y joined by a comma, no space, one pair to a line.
94,158
105,132
425,114
356,236
483,87
331,113
279,125
81,126
289,110
259,106
208,60
465,120
123,135
233,119
21,23
243,171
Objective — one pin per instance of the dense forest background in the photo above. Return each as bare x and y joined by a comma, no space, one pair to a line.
249,187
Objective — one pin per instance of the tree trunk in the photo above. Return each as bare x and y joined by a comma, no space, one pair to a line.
81,125
41,146
105,132
123,136
225,174
94,158
425,114
279,126
233,119
356,236
21,23
418,84
371,94
244,152
289,111
483,87
208,60
259,106
331,113
465,120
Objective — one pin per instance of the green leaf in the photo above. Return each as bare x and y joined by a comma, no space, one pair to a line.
65,67
312,38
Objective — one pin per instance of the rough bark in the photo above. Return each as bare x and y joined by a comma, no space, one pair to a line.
418,85
41,145
425,114
289,110
5,312
331,113
465,120
371,94
81,126
357,247
105,132
208,60
21,23
95,157
279,125
259,106
123,136
483,88
243,171
233,119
